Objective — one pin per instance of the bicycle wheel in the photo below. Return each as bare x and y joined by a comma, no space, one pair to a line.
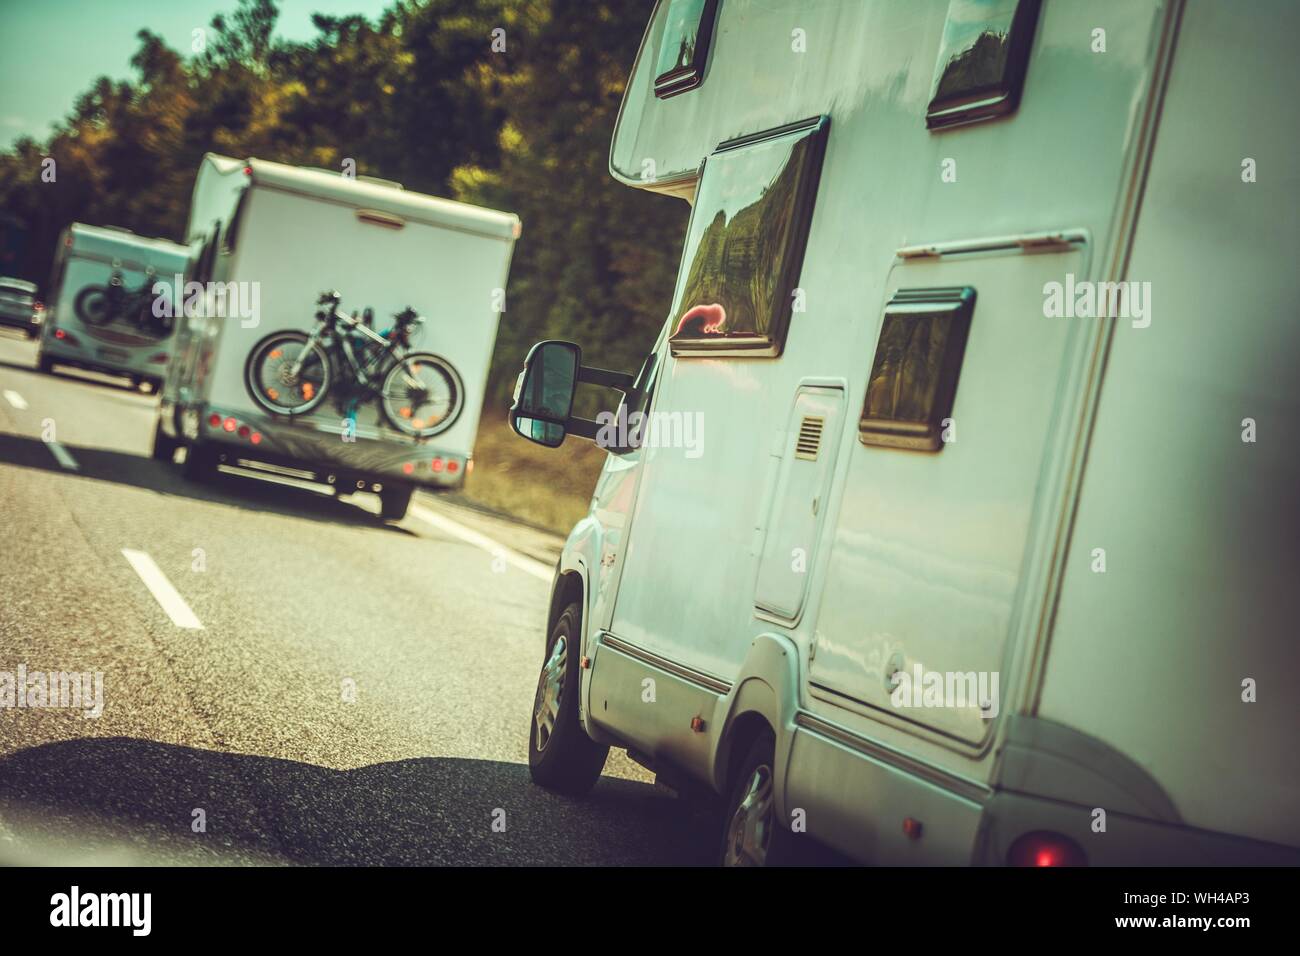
92,306
421,395
269,376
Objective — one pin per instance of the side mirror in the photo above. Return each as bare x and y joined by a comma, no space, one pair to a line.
544,392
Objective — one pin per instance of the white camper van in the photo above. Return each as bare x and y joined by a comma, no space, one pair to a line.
972,558
302,324
109,303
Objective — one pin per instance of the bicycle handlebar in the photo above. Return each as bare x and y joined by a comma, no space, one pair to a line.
331,298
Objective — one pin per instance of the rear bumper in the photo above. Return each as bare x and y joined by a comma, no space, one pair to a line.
99,358
317,455
25,322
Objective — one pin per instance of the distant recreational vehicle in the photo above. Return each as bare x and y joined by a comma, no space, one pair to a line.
961,572
108,307
306,290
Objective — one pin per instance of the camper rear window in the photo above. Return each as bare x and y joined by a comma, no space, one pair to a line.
745,245
688,31
982,61
913,381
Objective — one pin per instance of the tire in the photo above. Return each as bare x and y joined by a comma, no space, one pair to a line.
436,378
93,306
200,463
393,501
753,835
562,758
164,448
44,365
256,373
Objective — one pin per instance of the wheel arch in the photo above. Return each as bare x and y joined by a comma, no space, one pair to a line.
764,699
570,586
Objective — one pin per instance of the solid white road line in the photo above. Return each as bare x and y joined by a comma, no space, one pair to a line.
16,400
166,595
63,456
511,557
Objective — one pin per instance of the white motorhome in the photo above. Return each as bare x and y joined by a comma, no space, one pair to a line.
101,303
271,239
989,309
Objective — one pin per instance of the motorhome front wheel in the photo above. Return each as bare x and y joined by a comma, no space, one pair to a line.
561,756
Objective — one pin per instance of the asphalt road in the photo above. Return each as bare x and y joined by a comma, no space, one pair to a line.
358,692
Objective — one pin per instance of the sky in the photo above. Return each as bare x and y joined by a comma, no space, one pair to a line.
52,50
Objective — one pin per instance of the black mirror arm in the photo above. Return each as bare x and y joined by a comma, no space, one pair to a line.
583,428
599,376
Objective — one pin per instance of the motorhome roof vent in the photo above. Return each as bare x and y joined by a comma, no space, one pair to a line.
809,441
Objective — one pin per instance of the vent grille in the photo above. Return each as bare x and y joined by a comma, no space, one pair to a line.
809,442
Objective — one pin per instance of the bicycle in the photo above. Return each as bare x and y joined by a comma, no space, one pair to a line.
99,305
290,373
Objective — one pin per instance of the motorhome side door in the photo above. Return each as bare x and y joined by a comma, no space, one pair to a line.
941,529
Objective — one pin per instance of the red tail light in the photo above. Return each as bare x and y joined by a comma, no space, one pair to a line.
244,431
230,424
436,464
408,468
214,420
256,438
1045,848
453,466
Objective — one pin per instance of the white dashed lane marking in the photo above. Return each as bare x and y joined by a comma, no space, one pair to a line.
162,590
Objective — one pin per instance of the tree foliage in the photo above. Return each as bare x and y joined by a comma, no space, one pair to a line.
422,95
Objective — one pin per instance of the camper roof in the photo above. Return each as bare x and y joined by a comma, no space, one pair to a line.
116,242
371,194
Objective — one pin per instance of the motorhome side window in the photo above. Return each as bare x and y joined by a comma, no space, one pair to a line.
232,229
982,61
913,381
208,257
745,244
684,49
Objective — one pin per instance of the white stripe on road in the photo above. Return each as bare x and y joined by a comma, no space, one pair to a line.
16,400
454,528
63,456
162,590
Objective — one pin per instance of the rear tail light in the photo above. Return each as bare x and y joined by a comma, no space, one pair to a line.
1045,848
408,468
453,466
436,464
234,426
